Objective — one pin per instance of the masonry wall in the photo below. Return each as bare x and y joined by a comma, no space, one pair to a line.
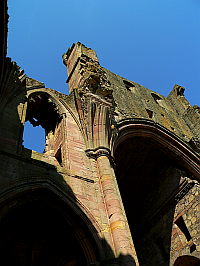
78,174
123,157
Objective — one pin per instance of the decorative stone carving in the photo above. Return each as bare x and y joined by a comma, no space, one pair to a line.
101,151
11,83
93,79
184,188
94,103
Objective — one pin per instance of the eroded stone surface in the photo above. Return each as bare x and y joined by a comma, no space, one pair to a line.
120,165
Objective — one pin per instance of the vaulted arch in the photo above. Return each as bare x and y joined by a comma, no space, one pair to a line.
153,168
59,103
43,110
168,142
50,111
45,224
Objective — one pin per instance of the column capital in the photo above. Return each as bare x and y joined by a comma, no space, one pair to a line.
100,151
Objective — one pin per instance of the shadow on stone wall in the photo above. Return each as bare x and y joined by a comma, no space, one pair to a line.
154,183
42,222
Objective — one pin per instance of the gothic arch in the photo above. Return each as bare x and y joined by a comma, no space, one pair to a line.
168,142
43,105
59,103
50,111
151,164
58,198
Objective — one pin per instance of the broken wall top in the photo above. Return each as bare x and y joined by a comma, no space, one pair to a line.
133,101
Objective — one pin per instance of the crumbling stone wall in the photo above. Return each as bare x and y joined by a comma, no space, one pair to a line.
123,160
188,210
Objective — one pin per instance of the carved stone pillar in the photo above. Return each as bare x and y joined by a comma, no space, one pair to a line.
94,102
123,245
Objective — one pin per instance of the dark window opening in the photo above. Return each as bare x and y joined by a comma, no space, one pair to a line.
58,156
128,85
156,97
192,248
181,224
150,113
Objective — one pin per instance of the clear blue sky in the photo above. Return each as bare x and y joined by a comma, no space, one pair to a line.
154,43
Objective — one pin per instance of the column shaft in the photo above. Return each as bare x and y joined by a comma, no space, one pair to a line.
121,237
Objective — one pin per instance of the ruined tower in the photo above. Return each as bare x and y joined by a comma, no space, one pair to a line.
118,182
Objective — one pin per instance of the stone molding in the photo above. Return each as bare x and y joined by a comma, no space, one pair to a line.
168,142
98,152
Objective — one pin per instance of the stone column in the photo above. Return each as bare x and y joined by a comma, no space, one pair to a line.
94,103
123,244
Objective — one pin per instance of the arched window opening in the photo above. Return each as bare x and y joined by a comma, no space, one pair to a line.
58,156
42,115
150,113
156,97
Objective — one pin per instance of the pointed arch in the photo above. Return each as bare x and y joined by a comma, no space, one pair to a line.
61,199
167,141
151,164
50,110
59,102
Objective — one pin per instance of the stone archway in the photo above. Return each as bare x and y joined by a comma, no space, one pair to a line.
43,110
166,141
39,228
153,174
36,234
142,171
